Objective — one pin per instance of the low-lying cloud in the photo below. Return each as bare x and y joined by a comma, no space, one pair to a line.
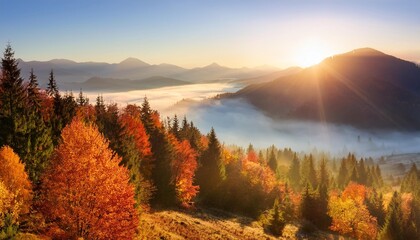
237,122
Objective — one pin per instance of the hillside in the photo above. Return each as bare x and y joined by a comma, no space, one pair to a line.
115,84
364,88
170,224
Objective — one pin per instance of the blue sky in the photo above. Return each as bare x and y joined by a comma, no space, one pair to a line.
196,33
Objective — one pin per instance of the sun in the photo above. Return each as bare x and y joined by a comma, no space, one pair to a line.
311,53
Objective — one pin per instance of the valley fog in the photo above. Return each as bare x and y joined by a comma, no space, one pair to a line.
237,122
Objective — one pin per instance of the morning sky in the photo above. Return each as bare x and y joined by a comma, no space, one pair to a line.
194,33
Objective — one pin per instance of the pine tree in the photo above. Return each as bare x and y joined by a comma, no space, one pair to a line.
82,100
324,219
393,228
14,122
411,181
308,211
375,206
33,92
39,136
294,173
309,172
277,222
272,160
342,175
210,173
361,170
146,116
52,88
175,128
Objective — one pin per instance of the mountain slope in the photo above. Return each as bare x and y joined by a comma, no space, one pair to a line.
363,88
116,84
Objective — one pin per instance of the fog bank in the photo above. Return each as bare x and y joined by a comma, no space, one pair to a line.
237,122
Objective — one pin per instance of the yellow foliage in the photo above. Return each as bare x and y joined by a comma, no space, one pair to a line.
15,179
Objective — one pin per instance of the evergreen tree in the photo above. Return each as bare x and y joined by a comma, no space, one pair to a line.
361,170
82,100
13,121
309,172
375,205
277,222
308,205
294,173
52,88
342,175
411,181
324,219
40,145
33,92
393,228
272,160
210,172
146,116
175,128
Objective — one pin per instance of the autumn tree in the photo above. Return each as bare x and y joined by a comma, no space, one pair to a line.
184,165
17,189
84,191
350,215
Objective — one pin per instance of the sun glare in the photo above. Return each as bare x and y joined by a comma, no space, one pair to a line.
311,53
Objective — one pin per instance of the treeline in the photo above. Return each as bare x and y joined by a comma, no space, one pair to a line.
71,169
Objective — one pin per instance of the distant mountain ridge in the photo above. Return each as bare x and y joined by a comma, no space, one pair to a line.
68,72
363,88
122,85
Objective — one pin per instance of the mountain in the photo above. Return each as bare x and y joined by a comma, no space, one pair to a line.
120,85
68,72
363,88
216,72
269,77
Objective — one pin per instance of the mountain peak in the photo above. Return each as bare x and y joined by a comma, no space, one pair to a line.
366,52
213,65
133,62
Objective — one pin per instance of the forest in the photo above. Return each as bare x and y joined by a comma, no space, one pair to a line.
72,169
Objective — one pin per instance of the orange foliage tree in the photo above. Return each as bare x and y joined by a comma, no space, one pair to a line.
350,215
257,174
15,179
183,167
85,192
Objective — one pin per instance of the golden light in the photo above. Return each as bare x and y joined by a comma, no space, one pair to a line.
312,52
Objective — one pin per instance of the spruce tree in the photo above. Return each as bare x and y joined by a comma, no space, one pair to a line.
393,228
39,137
15,124
342,175
294,173
272,160
210,173
175,127
52,88
277,222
